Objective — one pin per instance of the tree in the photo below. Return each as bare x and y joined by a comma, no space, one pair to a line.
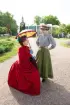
3,30
37,20
50,20
62,29
13,27
68,28
55,31
7,20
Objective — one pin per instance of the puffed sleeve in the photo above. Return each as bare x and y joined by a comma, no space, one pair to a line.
24,54
52,41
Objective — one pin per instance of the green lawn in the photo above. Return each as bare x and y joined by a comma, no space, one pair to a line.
63,38
63,42
13,51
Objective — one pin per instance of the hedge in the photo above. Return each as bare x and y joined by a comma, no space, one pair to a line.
6,46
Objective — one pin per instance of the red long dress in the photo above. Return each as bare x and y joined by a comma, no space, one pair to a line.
23,75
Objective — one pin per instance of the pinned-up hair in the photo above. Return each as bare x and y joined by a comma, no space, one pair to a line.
22,39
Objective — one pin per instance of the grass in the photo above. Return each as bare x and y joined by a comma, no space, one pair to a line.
11,53
63,41
8,55
63,38
64,44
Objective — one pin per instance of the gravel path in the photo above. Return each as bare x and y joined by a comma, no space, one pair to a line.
53,92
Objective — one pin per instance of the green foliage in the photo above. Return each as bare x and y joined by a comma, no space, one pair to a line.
50,20
55,30
64,44
7,20
8,47
13,28
9,54
5,46
3,30
47,20
37,20
68,28
62,28
2,50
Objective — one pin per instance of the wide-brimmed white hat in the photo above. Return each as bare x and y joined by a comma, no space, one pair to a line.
44,27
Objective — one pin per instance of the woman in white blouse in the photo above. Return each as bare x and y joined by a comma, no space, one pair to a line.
45,42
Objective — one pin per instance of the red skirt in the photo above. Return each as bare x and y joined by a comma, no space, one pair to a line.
27,82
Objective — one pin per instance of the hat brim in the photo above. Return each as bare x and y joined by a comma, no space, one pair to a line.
44,28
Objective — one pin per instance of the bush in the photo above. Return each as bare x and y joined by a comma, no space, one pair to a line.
3,30
1,50
55,36
8,39
6,46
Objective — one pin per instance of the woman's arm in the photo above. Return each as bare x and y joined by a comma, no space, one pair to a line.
52,42
24,54
33,61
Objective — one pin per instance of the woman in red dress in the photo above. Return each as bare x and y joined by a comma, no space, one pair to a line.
23,74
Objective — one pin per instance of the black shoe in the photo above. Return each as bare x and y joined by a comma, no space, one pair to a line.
43,80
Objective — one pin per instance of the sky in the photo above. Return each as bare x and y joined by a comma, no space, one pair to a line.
30,8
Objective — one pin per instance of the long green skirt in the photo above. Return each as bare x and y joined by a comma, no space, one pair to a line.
44,63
